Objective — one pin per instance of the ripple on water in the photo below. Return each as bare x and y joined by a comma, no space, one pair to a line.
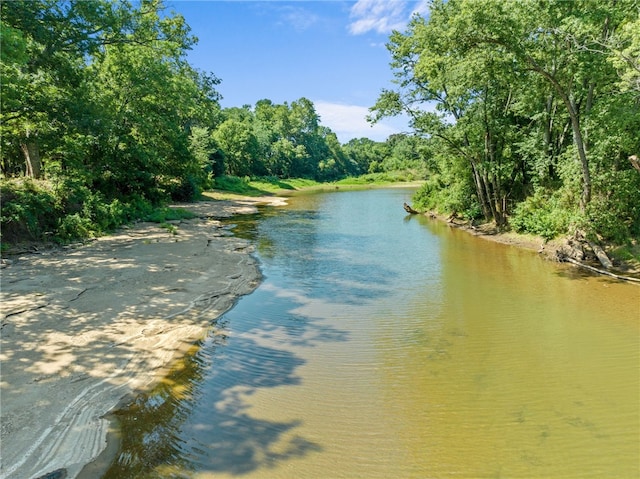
378,347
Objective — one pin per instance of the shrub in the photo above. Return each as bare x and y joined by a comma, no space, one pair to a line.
29,210
73,227
188,189
544,214
614,211
38,211
439,194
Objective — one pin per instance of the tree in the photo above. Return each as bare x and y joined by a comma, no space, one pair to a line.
291,141
361,153
520,89
240,146
152,99
49,43
467,89
558,41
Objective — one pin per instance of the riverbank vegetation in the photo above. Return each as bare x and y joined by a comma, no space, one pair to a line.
524,114
272,185
532,112
103,121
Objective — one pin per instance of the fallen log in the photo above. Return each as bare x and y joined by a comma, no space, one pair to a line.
601,255
564,258
410,210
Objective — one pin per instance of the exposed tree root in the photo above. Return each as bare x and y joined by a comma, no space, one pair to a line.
564,258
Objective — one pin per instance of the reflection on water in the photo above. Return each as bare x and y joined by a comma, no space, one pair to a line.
381,345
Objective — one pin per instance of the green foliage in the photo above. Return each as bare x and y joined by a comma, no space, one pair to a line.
39,211
273,183
267,185
545,213
235,184
262,185
399,153
99,100
521,109
173,229
29,210
627,252
614,213
529,111
165,213
239,144
381,178
440,195
186,189
74,227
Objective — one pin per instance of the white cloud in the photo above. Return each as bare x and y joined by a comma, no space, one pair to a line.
349,121
384,16
422,8
381,16
300,18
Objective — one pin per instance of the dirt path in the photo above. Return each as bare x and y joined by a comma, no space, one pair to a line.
83,328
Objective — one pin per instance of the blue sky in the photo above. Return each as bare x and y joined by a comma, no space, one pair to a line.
331,52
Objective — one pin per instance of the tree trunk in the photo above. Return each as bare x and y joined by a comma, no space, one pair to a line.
33,162
499,201
575,126
490,196
582,153
486,210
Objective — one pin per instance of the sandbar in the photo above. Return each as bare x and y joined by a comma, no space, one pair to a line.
83,327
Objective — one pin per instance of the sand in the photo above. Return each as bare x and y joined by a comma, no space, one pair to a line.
84,327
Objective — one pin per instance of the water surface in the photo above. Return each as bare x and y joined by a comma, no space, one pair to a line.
383,345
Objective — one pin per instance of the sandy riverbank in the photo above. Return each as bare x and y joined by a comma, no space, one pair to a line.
83,327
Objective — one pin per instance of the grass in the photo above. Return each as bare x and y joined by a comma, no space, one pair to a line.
262,186
381,179
627,253
164,214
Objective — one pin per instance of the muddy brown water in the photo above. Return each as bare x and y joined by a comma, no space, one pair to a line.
383,345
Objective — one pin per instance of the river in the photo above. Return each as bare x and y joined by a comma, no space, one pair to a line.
381,345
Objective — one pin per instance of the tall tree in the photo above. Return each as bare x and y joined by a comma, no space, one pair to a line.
152,97
240,145
52,41
494,69
558,41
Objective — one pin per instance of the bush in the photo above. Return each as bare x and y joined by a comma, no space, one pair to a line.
98,214
29,210
440,195
614,211
36,211
544,214
188,189
74,227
